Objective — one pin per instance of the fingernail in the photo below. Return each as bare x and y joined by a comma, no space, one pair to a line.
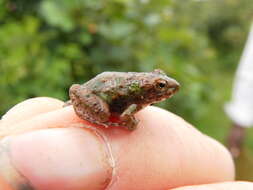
69,158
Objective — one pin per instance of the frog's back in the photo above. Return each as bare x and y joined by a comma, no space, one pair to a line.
109,81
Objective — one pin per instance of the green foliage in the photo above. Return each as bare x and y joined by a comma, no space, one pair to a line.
45,46
50,44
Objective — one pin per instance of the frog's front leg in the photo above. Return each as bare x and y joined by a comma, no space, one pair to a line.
127,118
89,106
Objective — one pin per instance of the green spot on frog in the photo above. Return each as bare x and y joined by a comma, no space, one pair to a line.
135,87
98,84
119,80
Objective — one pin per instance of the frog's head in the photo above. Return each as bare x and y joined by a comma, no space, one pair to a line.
158,86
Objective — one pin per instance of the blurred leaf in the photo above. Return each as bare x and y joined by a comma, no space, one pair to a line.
56,15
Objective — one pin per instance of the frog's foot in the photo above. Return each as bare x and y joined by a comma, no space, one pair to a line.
130,122
127,119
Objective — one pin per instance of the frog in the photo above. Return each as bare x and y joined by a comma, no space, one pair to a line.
113,98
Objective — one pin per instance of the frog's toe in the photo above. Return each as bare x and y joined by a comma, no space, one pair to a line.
131,127
131,124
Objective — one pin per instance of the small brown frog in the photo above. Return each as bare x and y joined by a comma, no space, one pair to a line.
112,98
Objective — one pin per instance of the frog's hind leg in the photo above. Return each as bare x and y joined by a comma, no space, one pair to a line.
90,107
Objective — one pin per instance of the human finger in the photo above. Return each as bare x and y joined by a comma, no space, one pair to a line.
220,186
25,151
30,108
163,152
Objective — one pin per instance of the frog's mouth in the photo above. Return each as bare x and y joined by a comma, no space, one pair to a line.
172,90
155,95
168,94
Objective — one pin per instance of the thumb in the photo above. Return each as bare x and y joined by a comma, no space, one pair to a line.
67,159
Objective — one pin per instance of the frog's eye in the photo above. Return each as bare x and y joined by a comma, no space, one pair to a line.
161,84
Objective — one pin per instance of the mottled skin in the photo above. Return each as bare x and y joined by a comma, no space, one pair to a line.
120,95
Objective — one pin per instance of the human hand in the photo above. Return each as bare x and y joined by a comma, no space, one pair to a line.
164,152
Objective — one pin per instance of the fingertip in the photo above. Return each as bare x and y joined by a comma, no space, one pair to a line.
30,108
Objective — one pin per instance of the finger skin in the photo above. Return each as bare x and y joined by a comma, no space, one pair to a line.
4,185
56,159
166,152
30,108
220,186
66,159
163,152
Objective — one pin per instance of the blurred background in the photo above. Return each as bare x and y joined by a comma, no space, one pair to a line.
45,46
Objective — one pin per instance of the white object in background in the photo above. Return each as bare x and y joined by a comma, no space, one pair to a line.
240,108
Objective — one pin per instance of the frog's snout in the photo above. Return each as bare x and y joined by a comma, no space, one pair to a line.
174,86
